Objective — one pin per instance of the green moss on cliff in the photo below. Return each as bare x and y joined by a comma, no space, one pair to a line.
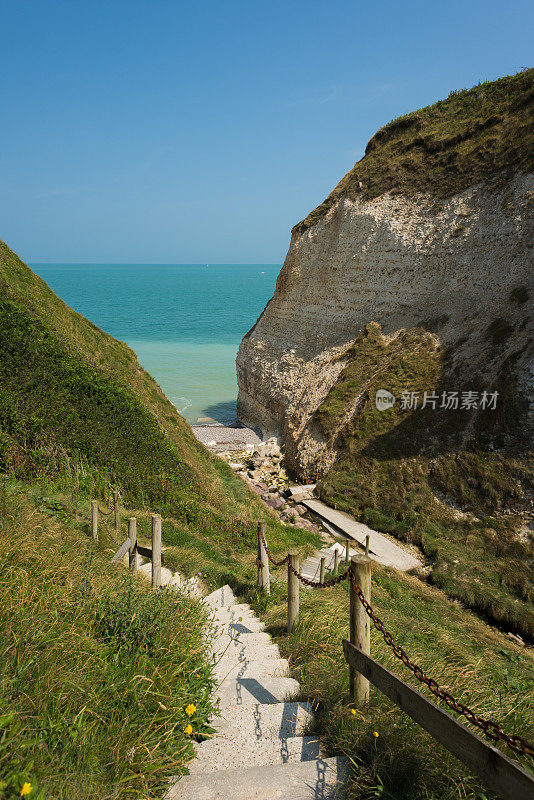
445,148
392,463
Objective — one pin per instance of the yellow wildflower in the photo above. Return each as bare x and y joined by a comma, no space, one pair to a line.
353,711
375,734
26,789
188,729
190,710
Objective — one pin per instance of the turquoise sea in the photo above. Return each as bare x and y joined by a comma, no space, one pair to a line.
184,321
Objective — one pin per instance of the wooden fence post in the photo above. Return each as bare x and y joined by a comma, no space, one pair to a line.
322,569
336,559
117,510
367,540
264,579
156,551
94,520
347,551
292,590
132,535
360,625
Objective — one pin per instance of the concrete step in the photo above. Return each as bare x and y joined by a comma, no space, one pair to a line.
231,668
235,639
253,655
321,779
251,649
238,627
240,609
223,617
230,749
266,720
221,598
237,611
250,691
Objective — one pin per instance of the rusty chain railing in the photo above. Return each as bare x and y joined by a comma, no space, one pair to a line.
106,526
490,728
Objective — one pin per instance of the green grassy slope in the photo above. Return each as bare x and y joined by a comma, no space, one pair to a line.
78,413
475,664
393,466
95,672
445,148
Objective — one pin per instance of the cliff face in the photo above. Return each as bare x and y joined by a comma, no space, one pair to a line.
415,276
400,263
452,268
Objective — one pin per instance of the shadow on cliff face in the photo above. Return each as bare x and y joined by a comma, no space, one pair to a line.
471,406
454,481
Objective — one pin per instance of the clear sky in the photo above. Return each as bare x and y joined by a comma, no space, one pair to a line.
170,131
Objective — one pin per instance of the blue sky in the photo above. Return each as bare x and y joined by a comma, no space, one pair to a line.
202,132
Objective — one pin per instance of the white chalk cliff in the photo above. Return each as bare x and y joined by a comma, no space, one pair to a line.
453,267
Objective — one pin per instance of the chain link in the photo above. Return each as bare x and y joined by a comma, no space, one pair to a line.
104,523
105,513
318,584
269,556
488,726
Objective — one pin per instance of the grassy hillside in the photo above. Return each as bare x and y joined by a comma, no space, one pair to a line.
95,672
64,601
78,414
480,666
394,466
444,148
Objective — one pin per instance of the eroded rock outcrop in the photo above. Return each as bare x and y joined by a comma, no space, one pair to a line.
457,268
396,262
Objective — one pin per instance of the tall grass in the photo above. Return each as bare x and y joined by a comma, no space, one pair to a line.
95,671
466,657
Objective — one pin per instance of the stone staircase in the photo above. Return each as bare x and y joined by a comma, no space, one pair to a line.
261,750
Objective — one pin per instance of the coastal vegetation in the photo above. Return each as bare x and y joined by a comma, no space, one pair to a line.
391,756
394,466
79,414
96,672
97,677
444,148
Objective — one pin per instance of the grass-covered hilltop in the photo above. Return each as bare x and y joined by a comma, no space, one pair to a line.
415,276
444,148
460,483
